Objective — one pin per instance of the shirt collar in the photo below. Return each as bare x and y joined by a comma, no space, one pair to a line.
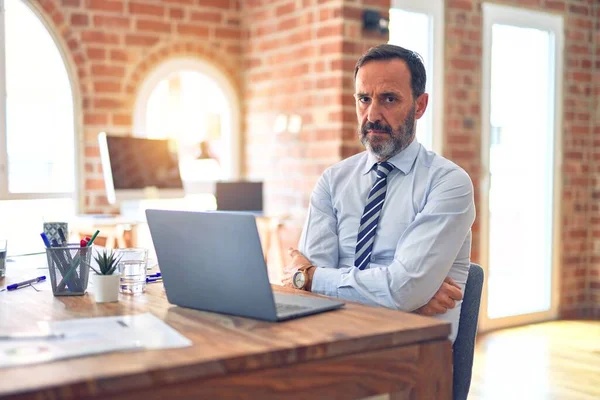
402,161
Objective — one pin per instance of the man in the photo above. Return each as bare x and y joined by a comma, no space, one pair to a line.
390,226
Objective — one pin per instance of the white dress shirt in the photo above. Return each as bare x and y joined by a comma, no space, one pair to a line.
423,233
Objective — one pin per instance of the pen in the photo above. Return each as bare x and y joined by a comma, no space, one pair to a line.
19,285
156,275
93,238
75,264
62,236
153,280
32,336
45,239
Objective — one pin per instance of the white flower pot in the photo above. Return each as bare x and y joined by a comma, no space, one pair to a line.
106,288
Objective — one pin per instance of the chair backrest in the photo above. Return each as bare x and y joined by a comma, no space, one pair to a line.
464,345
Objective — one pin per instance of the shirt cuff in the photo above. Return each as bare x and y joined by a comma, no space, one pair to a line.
325,281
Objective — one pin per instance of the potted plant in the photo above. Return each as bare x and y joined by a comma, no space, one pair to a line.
106,282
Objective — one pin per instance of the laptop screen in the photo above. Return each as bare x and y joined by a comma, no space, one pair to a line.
239,196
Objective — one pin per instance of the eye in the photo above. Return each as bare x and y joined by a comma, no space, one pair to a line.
390,99
364,99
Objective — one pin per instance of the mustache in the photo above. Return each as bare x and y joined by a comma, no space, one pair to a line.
376,126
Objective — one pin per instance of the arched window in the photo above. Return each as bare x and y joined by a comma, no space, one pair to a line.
37,132
193,102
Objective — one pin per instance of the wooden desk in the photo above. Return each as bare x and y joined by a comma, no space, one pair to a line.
355,352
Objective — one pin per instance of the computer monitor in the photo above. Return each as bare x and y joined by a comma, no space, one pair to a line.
138,168
239,196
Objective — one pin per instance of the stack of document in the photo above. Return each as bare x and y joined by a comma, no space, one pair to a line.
87,336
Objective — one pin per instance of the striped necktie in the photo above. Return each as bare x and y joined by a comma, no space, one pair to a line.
370,217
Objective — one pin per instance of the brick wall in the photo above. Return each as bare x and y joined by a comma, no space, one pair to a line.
114,44
299,61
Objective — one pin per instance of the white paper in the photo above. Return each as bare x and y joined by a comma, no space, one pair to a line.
88,336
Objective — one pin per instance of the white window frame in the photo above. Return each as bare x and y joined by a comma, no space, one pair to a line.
232,139
435,10
71,73
520,17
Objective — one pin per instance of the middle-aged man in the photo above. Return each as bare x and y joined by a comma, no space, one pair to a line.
390,226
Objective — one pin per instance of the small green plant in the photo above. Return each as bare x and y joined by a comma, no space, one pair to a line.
107,262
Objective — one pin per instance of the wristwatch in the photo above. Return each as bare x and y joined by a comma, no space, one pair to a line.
300,278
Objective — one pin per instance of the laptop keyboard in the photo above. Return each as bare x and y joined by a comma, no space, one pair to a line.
283,308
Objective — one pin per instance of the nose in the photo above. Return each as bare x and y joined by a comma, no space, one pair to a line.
374,112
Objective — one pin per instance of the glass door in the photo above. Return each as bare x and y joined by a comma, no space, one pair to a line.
521,85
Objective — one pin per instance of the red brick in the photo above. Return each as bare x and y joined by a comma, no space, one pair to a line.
224,4
153,26
466,5
285,9
227,33
73,44
122,119
463,64
107,87
95,119
106,5
79,20
140,40
581,10
332,30
207,16
195,30
146,9
177,13
99,37
94,184
105,21
58,18
95,53
48,6
106,70
118,55
107,103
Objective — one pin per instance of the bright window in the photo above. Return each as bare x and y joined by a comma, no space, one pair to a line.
191,102
418,25
37,134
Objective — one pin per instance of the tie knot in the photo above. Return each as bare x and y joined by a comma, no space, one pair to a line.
383,169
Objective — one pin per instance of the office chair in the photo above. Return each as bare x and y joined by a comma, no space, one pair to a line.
464,345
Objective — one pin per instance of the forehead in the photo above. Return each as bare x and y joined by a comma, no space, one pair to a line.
382,76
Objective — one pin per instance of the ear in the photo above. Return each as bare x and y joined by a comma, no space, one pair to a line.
422,101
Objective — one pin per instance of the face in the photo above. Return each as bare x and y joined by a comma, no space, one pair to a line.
385,107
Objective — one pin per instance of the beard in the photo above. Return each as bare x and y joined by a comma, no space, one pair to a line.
385,147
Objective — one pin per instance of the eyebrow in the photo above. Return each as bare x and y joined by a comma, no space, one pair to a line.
384,94
393,94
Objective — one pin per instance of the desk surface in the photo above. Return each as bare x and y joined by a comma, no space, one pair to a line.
222,345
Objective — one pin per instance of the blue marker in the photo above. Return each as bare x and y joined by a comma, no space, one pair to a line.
153,280
156,275
45,239
19,285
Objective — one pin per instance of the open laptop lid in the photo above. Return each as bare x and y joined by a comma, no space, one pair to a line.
212,261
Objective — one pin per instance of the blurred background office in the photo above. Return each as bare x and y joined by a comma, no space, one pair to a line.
261,91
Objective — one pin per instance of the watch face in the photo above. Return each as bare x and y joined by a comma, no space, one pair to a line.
298,279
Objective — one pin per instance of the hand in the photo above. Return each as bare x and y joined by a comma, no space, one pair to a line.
298,261
445,299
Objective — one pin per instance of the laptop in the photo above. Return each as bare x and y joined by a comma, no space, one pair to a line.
241,196
213,261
